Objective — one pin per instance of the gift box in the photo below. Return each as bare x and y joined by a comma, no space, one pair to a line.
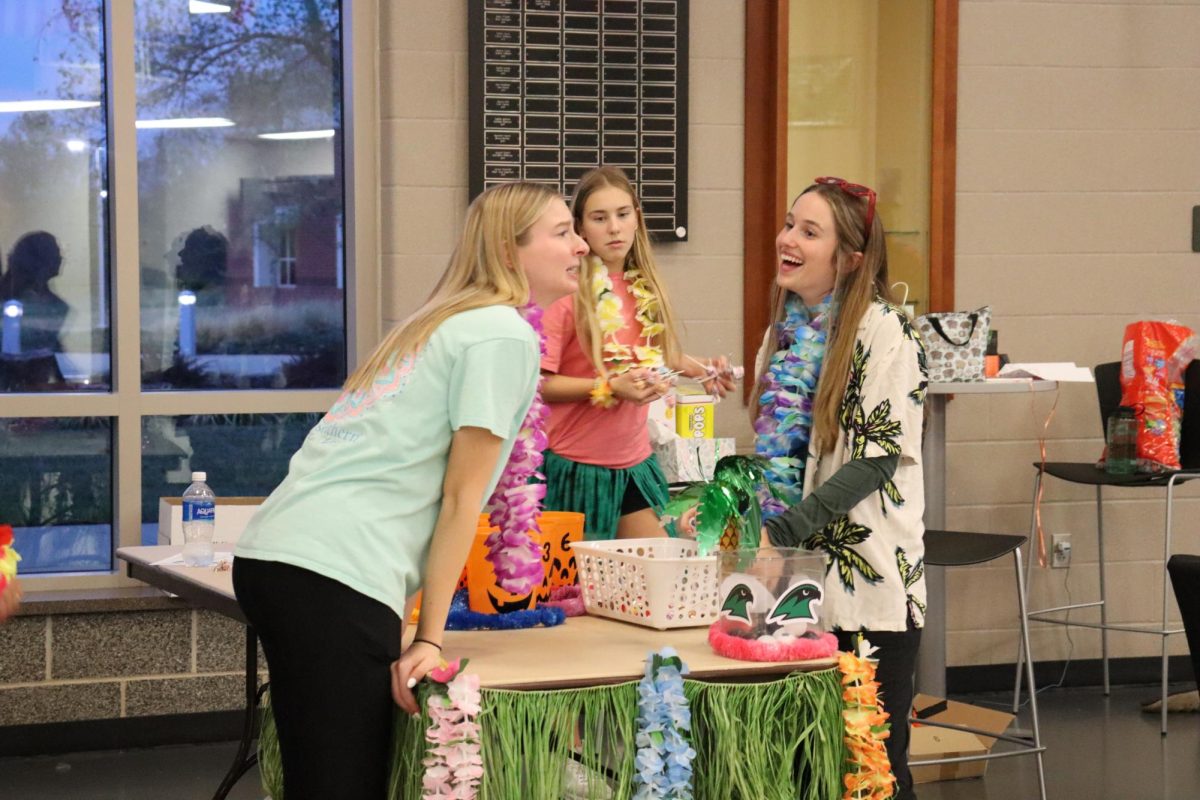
692,459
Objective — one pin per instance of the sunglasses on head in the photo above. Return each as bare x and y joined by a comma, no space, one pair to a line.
854,190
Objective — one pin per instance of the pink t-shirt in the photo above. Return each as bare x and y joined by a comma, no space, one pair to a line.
608,437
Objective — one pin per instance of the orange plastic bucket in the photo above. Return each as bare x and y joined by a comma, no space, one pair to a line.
560,529
484,595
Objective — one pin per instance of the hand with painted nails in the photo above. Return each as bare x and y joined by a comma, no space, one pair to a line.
407,671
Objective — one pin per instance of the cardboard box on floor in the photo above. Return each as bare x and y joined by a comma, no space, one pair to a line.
928,742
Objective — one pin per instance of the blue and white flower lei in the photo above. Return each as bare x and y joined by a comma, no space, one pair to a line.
784,423
664,752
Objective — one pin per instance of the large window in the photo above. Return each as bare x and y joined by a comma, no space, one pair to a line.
173,228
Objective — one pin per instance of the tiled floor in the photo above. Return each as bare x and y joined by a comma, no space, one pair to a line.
1100,749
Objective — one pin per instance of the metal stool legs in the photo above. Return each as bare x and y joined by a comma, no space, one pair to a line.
1163,631
1024,745
1022,600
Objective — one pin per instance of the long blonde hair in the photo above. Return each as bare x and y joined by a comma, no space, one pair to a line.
854,291
483,271
640,256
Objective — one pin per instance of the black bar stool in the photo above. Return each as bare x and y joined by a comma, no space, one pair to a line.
959,549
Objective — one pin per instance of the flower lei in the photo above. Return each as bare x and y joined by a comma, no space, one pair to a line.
784,422
8,557
619,357
869,773
453,754
664,752
513,550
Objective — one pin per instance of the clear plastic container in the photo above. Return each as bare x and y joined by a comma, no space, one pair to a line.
771,591
199,521
1121,457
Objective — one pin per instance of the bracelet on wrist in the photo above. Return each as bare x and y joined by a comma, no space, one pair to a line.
602,393
426,641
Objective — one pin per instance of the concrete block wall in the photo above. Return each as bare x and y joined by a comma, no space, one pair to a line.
66,667
1078,166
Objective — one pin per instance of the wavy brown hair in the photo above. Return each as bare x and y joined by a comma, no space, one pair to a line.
854,291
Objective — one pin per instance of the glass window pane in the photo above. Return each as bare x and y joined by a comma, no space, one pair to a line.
245,455
239,116
53,252
56,492
860,107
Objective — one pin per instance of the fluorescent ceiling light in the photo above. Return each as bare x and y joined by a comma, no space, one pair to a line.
18,106
201,7
184,122
76,145
288,135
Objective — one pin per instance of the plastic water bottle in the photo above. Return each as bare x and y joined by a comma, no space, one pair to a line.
199,519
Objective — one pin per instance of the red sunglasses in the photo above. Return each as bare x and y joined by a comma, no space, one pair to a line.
854,190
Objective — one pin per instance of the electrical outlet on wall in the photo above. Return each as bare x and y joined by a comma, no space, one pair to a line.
1060,550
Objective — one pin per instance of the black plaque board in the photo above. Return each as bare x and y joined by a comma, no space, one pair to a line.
557,87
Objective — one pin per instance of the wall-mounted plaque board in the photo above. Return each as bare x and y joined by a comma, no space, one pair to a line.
558,87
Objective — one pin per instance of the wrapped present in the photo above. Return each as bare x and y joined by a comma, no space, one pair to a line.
692,459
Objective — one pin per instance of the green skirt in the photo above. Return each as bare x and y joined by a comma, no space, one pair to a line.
597,492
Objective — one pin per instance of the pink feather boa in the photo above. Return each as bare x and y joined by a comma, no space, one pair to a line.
801,648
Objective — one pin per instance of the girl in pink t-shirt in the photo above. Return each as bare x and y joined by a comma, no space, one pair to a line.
606,349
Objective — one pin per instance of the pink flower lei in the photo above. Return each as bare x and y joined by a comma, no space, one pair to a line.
453,753
513,551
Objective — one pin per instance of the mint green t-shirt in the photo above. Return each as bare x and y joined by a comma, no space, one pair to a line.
363,492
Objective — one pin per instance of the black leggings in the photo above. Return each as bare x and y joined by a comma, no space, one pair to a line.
329,650
897,656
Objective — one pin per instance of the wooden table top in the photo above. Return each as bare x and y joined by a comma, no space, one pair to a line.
584,651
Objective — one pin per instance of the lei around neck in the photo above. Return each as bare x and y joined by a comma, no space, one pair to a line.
783,427
610,314
516,504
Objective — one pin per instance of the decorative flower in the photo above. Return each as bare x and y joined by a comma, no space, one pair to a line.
784,422
454,754
664,757
513,550
463,692
869,773
610,316
8,556
445,672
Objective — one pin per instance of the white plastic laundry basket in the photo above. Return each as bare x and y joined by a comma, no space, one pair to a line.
659,583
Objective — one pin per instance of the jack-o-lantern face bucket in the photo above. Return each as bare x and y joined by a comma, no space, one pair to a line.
559,530
484,595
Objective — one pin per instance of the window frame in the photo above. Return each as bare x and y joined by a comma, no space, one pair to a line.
126,404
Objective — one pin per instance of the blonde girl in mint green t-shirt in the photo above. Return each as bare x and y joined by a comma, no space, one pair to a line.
383,497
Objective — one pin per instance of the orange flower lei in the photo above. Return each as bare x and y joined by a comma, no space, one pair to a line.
869,773
8,557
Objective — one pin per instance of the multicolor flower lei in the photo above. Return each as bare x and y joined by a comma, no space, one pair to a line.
516,503
784,423
664,752
8,557
453,754
869,773
619,357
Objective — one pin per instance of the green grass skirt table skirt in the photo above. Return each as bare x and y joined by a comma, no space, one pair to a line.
779,740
